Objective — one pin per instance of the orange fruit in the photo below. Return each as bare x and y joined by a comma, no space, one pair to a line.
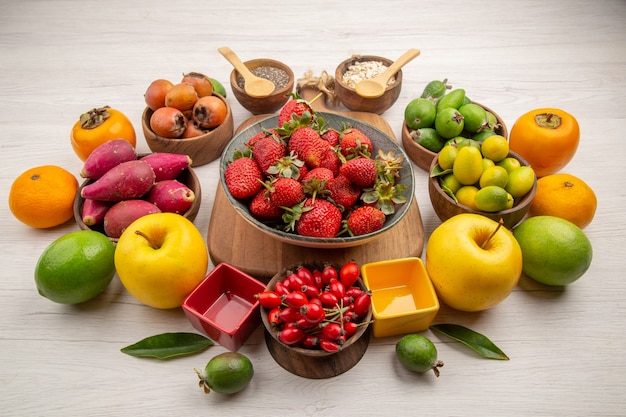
564,196
43,196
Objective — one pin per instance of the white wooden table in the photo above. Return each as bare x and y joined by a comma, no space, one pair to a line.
61,58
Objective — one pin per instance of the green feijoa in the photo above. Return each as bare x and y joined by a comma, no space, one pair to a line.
428,138
436,89
492,121
454,99
483,134
419,113
475,117
466,100
468,142
418,354
449,122
455,141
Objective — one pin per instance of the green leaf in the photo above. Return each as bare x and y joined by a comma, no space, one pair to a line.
438,172
168,345
474,340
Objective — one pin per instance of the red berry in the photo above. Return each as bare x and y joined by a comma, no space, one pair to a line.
350,328
291,335
290,314
349,273
362,305
332,331
295,299
313,313
329,345
329,273
337,288
269,299
328,299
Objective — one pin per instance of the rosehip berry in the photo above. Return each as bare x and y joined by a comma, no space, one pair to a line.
291,335
311,291
362,305
269,299
337,288
289,314
353,292
310,342
295,299
306,275
329,345
313,313
328,299
349,273
294,282
350,328
274,317
317,278
329,273
332,331
281,289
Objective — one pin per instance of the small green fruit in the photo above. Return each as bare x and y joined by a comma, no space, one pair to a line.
226,373
418,354
218,87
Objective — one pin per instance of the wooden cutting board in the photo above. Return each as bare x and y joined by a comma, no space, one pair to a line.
231,239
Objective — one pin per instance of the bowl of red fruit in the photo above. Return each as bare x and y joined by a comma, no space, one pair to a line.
318,179
316,317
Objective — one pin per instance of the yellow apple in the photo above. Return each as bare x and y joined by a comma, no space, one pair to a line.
160,258
474,262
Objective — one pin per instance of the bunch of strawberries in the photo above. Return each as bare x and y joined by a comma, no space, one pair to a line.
306,177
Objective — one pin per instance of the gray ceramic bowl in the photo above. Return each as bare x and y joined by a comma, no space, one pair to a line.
380,140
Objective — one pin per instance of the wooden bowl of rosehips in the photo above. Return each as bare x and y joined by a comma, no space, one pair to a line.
188,118
316,317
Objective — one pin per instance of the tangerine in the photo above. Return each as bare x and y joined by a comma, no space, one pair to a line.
43,196
564,196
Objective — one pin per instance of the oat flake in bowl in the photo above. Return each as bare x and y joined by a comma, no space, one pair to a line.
363,70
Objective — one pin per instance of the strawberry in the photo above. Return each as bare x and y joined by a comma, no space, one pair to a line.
263,133
361,171
267,150
318,218
364,220
384,195
354,143
243,177
322,174
288,166
294,108
315,182
307,143
262,208
331,136
284,192
343,191
331,160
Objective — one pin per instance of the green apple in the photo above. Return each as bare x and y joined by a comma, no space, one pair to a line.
160,258
474,262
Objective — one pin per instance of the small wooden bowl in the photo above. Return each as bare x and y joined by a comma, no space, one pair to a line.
264,105
423,157
202,149
446,207
187,177
353,101
313,363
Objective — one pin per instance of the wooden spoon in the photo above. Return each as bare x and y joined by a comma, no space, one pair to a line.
254,86
375,87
